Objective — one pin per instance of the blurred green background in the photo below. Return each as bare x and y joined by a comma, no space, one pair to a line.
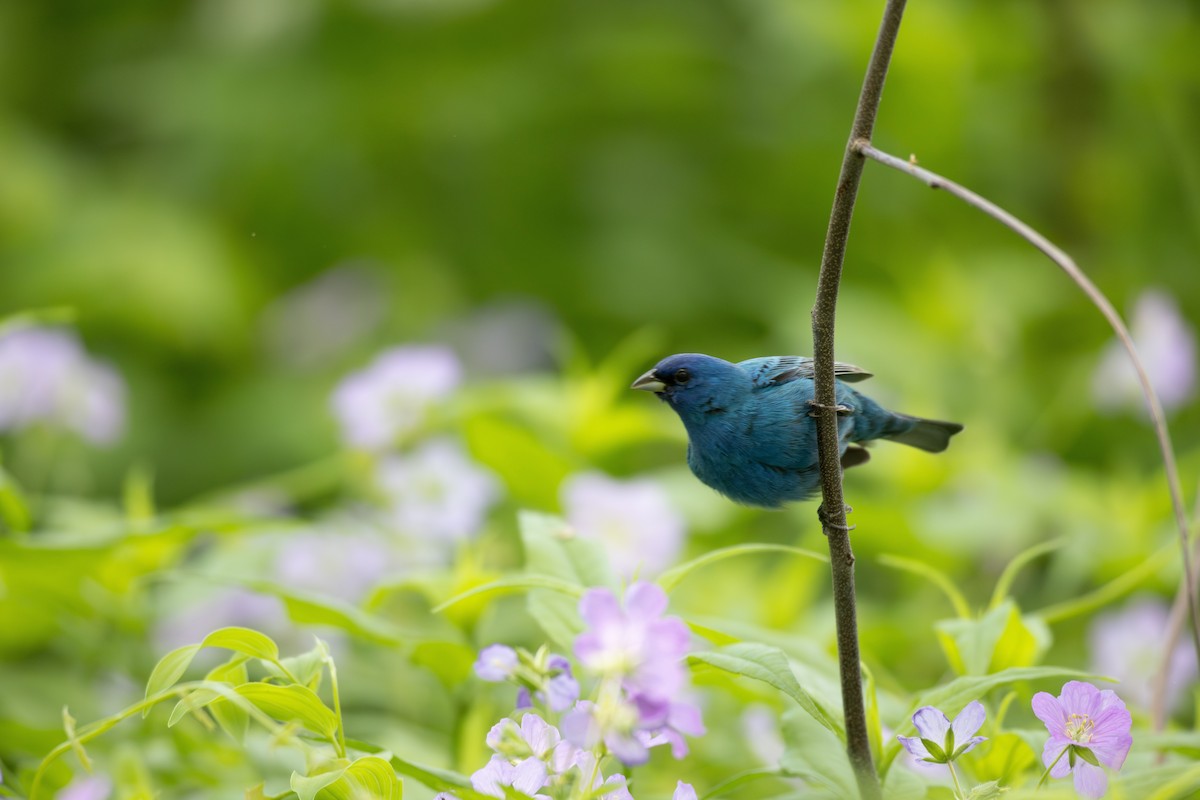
242,201
173,170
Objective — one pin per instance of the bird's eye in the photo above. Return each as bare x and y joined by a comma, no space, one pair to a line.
682,375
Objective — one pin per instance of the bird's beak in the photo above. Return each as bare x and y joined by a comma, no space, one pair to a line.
648,383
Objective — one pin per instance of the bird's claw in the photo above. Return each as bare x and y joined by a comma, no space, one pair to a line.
828,522
839,409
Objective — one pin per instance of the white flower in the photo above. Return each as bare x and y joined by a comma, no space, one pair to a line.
641,531
392,395
437,492
46,377
1166,344
335,561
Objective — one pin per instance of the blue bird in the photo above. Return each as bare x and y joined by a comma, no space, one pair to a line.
751,435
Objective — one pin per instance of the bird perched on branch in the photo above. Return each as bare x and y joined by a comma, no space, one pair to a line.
751,431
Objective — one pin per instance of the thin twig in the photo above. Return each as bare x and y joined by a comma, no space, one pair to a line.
1160,709
833,513
1068,265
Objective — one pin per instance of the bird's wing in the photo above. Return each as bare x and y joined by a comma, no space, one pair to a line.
773,370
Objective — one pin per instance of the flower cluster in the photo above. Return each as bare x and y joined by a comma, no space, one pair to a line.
532,757
636,655
47,378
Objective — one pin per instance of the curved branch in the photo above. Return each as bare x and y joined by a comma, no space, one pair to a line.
1068,265
833,507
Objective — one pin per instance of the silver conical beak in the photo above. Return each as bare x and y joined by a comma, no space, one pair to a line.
648,383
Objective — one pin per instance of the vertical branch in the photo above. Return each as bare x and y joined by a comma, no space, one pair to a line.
833,508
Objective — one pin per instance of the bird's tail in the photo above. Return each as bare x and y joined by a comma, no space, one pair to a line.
932,435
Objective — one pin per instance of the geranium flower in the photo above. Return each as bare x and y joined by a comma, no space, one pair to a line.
1088,727
940,741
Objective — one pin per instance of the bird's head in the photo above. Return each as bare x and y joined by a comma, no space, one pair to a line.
694,382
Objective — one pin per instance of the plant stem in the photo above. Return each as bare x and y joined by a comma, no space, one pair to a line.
833,515
958,792
1068,265
1042,780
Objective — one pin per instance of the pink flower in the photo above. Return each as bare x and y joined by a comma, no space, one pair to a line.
1088,727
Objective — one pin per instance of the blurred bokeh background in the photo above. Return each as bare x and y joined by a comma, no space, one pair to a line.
241,202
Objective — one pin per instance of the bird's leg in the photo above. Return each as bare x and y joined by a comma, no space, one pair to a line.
841,410
828,522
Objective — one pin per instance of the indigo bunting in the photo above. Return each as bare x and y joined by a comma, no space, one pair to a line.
751,435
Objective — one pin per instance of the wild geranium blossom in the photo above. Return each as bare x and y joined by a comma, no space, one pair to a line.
1088,727
638,654
437,492
47,378
390,398
641,531
940,741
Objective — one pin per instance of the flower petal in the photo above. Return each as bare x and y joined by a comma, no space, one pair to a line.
1050,711
967,746
684,791
968,721
1090,781
1050,755
529,776
931,723
1078,697
645,600
914,745
599,607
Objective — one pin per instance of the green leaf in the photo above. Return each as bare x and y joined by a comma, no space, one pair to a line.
934,576
368,776
553,550
439,780
233,720
672,577
818,755
516,583
243,640
1000,639
769,665
14,510
1113,590
169,670
292,703
1086,754
192,702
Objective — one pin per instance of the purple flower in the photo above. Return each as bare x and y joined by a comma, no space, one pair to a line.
1128,645
87,787
496,663
641,531
1088,727
526,776
561,689
390,397
437,493
940,741
684,791
1167,346
634,643
46,377
334,561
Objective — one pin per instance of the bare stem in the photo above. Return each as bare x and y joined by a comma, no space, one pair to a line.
833,513
1068,265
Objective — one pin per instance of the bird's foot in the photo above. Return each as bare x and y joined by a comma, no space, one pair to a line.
827,521
839,409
